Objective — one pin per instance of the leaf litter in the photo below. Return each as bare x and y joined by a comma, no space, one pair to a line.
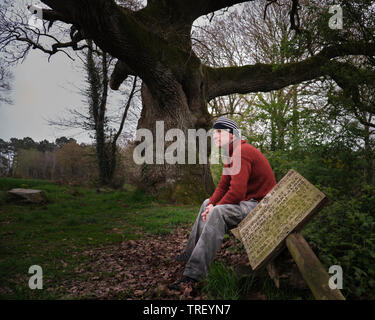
142,269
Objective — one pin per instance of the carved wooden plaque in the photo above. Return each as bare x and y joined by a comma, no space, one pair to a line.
286,208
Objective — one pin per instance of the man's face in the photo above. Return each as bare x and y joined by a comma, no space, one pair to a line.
222,137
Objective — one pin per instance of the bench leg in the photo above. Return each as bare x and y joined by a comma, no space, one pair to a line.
311,268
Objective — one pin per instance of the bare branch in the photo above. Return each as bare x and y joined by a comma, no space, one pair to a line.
130,97
294,16
119,74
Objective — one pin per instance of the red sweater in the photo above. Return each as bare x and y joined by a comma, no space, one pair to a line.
254,180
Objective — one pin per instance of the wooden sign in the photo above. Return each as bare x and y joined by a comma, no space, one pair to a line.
286,208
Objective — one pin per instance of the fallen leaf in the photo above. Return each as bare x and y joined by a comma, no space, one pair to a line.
187,291
63,263
139,292
132,243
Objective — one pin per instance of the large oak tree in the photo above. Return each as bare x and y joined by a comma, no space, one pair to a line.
155,44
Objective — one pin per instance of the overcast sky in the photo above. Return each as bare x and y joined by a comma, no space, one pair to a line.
45,90
41,90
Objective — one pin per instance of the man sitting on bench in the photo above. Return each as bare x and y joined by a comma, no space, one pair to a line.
235,196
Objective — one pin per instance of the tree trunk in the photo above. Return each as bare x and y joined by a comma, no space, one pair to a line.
368,156
295,120
273,132
183,183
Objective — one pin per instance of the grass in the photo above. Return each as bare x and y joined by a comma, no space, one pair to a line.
222,283
55,236
75,219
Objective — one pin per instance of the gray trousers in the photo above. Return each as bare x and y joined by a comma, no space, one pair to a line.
206,237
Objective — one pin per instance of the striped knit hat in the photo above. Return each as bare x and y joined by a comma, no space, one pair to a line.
225,123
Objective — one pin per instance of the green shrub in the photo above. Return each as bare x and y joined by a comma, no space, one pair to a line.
323,165
344,233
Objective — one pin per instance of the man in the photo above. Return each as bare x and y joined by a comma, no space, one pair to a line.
237,193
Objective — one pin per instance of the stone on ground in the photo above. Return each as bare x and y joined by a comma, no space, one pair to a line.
27,196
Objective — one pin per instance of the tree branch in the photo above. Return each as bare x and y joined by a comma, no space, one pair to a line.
130,97
52,16
195,9
188,11
119,74
267,77
123,36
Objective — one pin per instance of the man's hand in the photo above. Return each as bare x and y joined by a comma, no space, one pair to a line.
206,212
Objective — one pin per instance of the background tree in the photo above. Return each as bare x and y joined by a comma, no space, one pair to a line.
353,108
66,161
97,119
6,78
59,142
6,154
28,164
76,163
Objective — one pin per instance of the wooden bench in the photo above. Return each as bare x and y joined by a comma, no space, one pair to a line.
276,222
